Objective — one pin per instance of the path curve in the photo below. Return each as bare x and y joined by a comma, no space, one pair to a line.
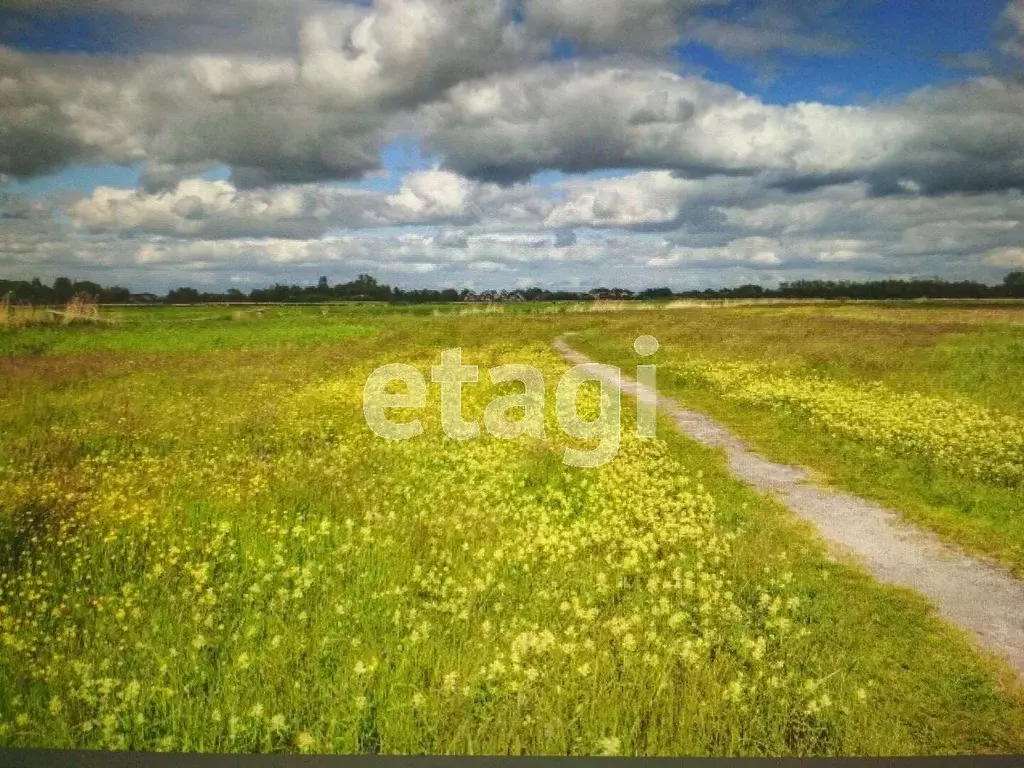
981,598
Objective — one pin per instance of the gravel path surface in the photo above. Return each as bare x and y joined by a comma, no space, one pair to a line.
981,598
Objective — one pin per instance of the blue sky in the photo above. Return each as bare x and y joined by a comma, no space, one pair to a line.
162,94
898,46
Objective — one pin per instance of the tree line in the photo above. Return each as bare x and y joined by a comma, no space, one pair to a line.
366,288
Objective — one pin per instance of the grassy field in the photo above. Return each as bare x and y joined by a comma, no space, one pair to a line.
918,406
204,548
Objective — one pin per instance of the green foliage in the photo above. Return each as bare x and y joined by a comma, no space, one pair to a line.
1014,284
202,548
885,402
366,288
179,331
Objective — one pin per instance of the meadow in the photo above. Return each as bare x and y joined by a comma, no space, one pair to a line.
204,548
919,406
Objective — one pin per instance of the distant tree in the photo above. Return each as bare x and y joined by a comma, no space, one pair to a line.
656,293
748,291
366,288
1014,284
38,292
183,296
88,287
63,289
115,295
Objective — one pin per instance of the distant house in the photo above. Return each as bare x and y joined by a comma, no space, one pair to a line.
143,298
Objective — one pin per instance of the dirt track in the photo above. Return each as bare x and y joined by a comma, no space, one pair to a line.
981,598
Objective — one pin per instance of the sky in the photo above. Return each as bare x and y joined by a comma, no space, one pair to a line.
490,144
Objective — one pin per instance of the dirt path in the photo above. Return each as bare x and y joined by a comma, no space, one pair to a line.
979,597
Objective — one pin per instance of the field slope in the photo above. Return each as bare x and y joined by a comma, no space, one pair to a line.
203,548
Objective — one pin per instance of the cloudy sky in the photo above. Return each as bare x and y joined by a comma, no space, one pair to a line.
506,143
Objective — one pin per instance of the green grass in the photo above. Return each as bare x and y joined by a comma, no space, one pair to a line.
954,357
190,330
205,549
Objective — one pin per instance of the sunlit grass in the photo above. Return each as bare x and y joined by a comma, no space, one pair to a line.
924,417
209,551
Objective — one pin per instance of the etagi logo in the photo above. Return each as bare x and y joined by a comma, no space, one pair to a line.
451,375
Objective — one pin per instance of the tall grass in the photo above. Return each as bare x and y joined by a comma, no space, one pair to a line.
207,550
887,405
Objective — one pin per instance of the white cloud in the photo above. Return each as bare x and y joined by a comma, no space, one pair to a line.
407,49
1012,27
1009,256
898,226
197,208
249,113
458,74
583,117
616,227
216,209
587,117
438,196
636,25
296,94
432,195
649,199
653,197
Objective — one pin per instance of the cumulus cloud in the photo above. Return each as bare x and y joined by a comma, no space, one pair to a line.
650,26
636,230
634,25
320,110
198,208
1009,256
1012,29
52,116
294,95
458,73
384,253
433,196
452,238
755,251
18,208
408,50
438,196
217,209
646,200
894,229
960,138
580,118
374,38
252,114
